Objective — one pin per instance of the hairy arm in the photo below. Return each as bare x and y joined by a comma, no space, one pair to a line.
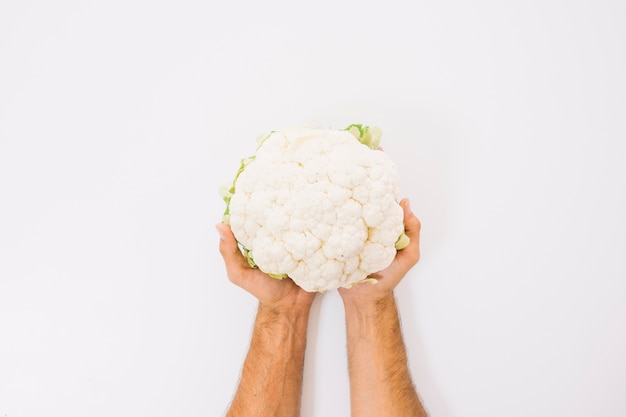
380,381
271,379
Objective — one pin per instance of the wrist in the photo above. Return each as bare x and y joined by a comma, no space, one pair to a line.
282,327
290,304
285,310
366,295
370,305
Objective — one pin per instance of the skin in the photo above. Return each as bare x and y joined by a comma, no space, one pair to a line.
271,379
380,381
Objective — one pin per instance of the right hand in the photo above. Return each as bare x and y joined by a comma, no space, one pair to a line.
390,277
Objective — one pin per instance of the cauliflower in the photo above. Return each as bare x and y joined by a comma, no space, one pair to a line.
317,206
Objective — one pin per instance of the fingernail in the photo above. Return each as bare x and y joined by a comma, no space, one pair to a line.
408,205
219,231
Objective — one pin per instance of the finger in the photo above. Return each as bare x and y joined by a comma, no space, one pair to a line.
410,255
233,258
228,243
412,225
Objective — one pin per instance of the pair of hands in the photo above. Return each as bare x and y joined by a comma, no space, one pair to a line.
285,295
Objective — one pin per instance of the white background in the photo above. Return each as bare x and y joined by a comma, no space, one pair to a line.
120,119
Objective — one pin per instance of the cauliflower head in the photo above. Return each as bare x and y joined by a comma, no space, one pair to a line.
318,206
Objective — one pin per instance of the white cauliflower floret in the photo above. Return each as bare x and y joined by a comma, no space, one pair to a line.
318,206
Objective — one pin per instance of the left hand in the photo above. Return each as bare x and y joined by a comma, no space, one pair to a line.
282,295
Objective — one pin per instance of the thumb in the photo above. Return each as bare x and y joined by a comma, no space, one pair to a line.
228,243
236,263
410,255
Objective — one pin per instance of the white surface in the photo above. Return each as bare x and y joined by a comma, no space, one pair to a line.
119,120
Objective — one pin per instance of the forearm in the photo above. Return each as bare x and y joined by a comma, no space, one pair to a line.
380,382
271,379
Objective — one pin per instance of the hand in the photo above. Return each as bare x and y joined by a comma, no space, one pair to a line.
281,295
389,278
